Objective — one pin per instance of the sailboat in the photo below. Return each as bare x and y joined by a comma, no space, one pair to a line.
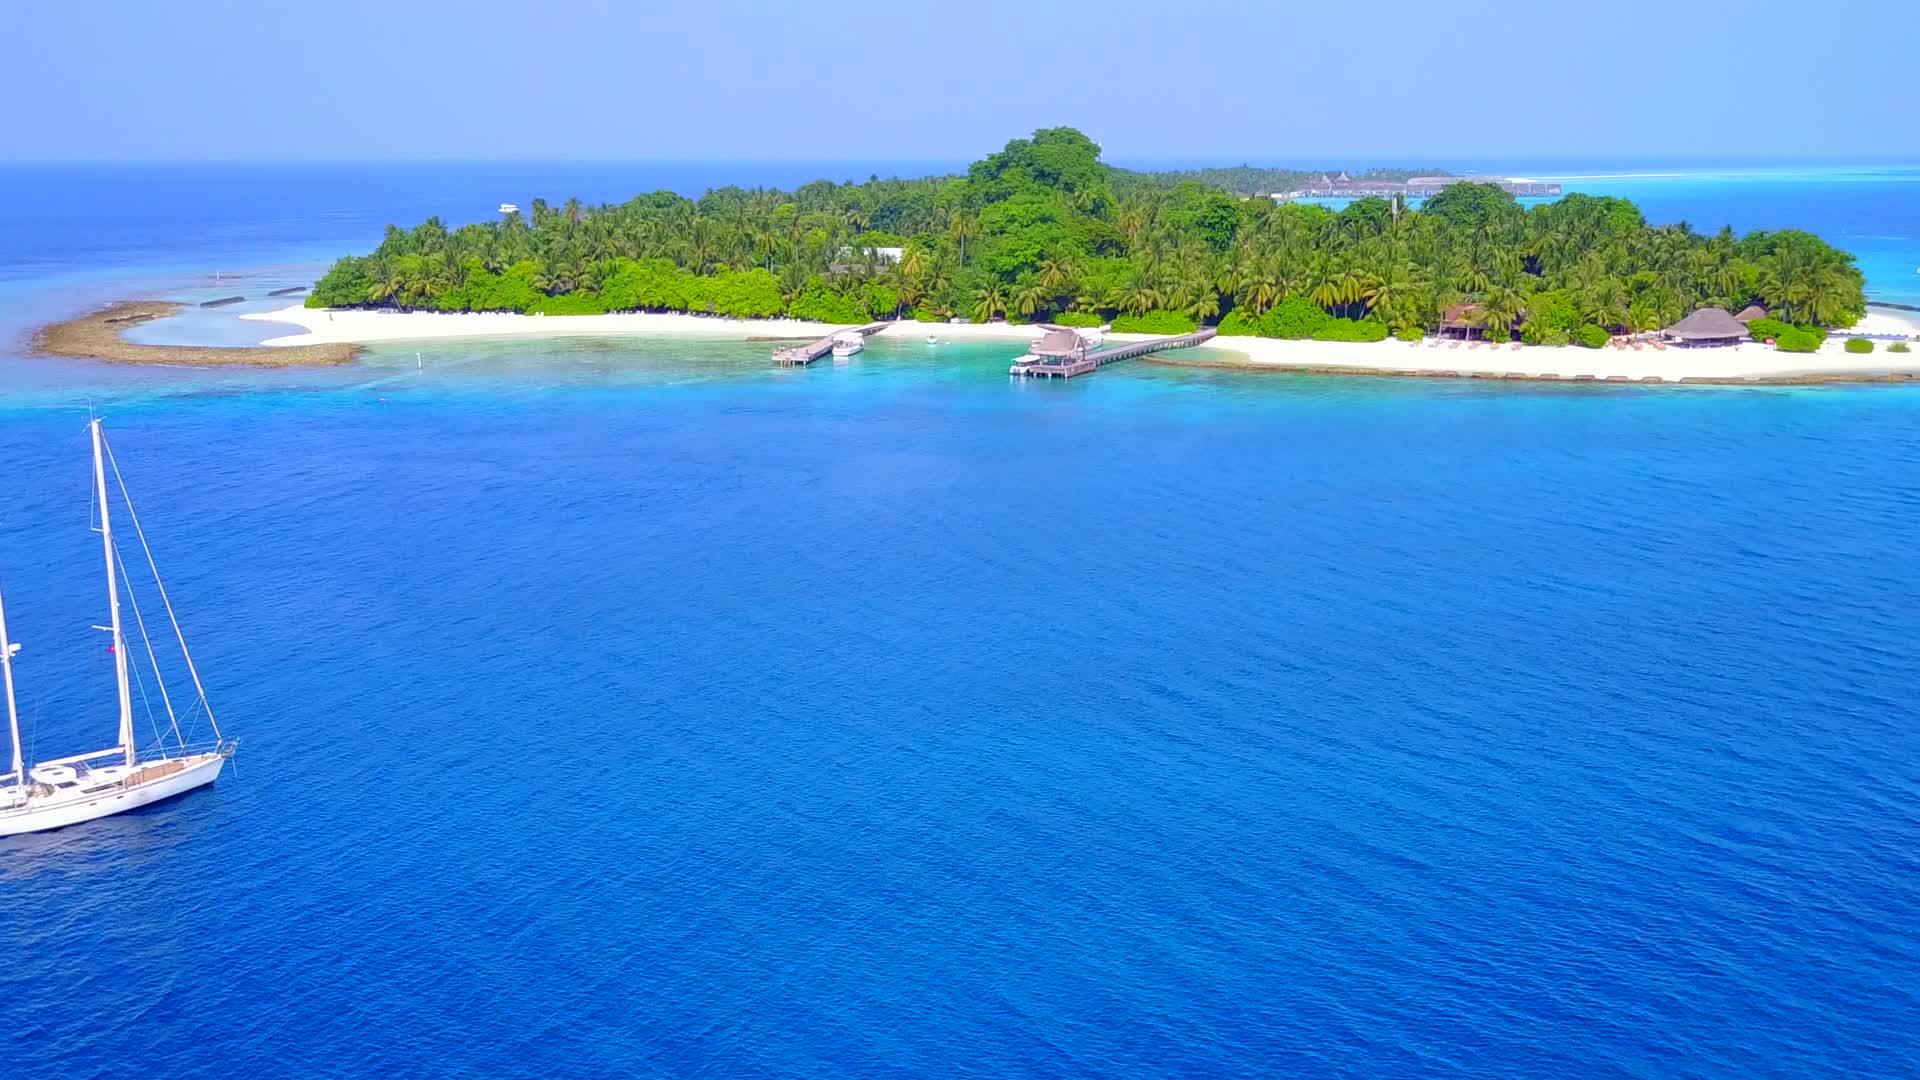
82,787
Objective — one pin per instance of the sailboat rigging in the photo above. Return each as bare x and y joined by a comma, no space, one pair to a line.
82,787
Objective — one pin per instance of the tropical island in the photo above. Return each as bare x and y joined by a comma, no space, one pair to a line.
1043,231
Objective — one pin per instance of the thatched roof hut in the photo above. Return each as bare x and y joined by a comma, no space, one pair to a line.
1060,343
1708,326
1468,320
1750,313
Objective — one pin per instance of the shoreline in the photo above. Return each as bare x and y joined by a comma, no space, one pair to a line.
1816,377
365,327
96,335
329,337
1744,364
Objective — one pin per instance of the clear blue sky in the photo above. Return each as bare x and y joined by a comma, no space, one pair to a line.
1387,81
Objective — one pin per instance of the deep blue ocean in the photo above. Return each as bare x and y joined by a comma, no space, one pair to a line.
632,708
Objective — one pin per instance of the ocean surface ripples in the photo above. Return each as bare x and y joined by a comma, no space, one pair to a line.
634,709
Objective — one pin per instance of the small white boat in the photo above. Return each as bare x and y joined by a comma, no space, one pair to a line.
82,787
848,342
932,340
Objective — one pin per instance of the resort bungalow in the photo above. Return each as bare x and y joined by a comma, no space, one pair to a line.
1708,326
1060,351
1470,320
1462,320
1750,313
1060,346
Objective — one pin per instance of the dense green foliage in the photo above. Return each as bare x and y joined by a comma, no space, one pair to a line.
1796,340
1293,318
1155,322
1078,318
1859,345
1298,320
1351,330
1779,331
1042,229
1898,346
1409,333
1590,336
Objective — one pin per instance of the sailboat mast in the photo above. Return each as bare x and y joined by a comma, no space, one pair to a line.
13,713
113,599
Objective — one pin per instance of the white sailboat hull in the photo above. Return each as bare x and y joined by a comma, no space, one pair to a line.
59,809
70,790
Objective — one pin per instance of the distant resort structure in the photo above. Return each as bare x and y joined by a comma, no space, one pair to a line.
1342,186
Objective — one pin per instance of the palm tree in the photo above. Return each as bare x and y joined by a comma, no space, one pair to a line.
911,292
554,279
1265,289
1132,222
961,226
390,284
939,279
1475,277
990,302
429,277
1327,290
1603,303
698,245
768,244
1500,308
1137,298
1030,298
1356,287
1391,286
431,237
1834,295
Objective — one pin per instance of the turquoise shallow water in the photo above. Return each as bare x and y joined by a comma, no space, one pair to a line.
630,707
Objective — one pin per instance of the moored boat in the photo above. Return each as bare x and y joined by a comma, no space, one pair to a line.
848,342
81,787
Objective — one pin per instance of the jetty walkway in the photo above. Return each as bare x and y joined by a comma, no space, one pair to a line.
1066,367
802,355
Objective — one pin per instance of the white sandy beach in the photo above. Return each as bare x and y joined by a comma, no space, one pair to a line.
1746,361
366,327
1645,364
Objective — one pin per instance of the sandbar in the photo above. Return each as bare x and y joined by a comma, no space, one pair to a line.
97,335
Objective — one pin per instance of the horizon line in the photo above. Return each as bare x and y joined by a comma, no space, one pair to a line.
1171,162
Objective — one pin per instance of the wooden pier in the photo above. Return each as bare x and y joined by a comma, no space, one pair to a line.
802,355
1066,367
